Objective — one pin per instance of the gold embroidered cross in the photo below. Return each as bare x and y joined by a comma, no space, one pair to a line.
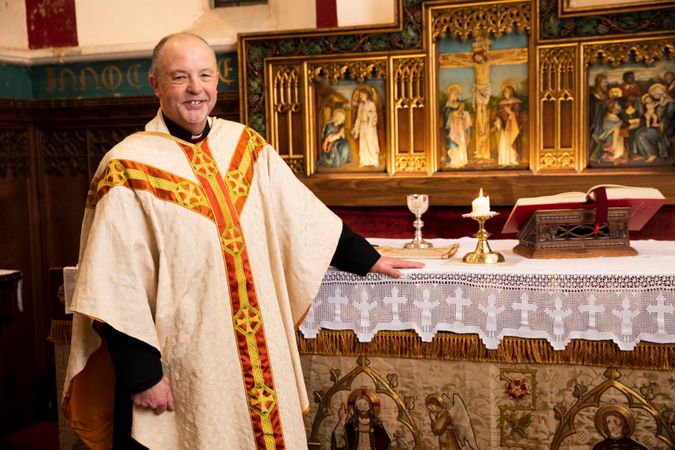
238,184
203,165
247,320
232,241
189,194
262,399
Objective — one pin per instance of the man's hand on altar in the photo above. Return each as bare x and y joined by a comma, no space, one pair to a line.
389,266
158,398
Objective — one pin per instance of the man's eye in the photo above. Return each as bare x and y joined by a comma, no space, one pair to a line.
179,77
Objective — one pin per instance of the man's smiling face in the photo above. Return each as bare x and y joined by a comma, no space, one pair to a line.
186,81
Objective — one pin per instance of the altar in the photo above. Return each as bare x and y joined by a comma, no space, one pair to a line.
521,354
524,354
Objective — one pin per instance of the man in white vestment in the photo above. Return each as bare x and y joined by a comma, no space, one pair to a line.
200,254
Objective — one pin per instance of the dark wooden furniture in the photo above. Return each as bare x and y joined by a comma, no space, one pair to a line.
9,297
571,233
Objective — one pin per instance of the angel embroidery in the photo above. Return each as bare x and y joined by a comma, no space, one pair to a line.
450,421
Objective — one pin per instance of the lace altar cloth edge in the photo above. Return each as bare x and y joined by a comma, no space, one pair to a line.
623,299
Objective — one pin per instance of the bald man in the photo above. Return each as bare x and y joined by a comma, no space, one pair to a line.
200,254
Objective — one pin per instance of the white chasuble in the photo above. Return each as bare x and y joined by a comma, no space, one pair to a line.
211,253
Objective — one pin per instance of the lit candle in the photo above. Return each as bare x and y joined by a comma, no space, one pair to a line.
480,205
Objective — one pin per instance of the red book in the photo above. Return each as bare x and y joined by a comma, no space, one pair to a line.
643,203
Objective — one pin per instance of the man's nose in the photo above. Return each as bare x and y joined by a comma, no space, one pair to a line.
193,85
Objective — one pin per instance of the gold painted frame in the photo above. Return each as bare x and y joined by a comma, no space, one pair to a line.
285,86
556,94
290,83
557,91
357,71
481,21
567,8
617,53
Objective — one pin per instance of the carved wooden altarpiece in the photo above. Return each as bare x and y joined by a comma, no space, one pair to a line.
459,96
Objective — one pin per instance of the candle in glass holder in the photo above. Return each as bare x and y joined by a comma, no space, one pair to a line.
480,205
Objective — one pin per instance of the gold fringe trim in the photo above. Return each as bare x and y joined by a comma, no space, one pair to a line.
60,331
466,347
469,347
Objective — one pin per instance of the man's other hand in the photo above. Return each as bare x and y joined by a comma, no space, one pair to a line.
388,266
158,398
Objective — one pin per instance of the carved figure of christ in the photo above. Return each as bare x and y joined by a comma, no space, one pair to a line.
481,59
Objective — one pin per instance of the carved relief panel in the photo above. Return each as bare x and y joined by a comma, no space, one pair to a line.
629,108
348,116
512,89
479,58
13,153
285,112
410,106
558,107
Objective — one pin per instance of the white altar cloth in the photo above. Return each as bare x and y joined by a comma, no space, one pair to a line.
623,299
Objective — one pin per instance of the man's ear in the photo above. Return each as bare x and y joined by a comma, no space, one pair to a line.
154,84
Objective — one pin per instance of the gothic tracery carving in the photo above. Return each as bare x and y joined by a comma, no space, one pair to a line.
497,19
13,152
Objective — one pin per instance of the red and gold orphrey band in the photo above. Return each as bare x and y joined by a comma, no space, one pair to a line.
141,177
222,201
227,197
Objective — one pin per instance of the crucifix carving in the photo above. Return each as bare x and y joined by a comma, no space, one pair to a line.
481,59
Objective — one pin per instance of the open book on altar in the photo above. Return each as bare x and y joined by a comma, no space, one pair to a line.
642,201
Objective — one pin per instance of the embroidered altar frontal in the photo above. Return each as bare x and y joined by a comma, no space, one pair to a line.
440,404
564,354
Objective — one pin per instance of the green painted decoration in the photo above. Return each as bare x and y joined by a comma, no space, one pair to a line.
15,82
101,79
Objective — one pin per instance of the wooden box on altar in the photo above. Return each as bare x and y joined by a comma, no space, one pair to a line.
570,233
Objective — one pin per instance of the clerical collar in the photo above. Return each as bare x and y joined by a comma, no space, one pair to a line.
183,134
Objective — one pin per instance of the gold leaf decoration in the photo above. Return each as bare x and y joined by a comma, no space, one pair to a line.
297,164
336,71
409,83
330,71
285,93
618,53
557,64
497,19
408,163
557,160
566,160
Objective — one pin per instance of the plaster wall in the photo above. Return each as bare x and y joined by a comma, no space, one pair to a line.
13,32
130,22
359,12
132,25
129,29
